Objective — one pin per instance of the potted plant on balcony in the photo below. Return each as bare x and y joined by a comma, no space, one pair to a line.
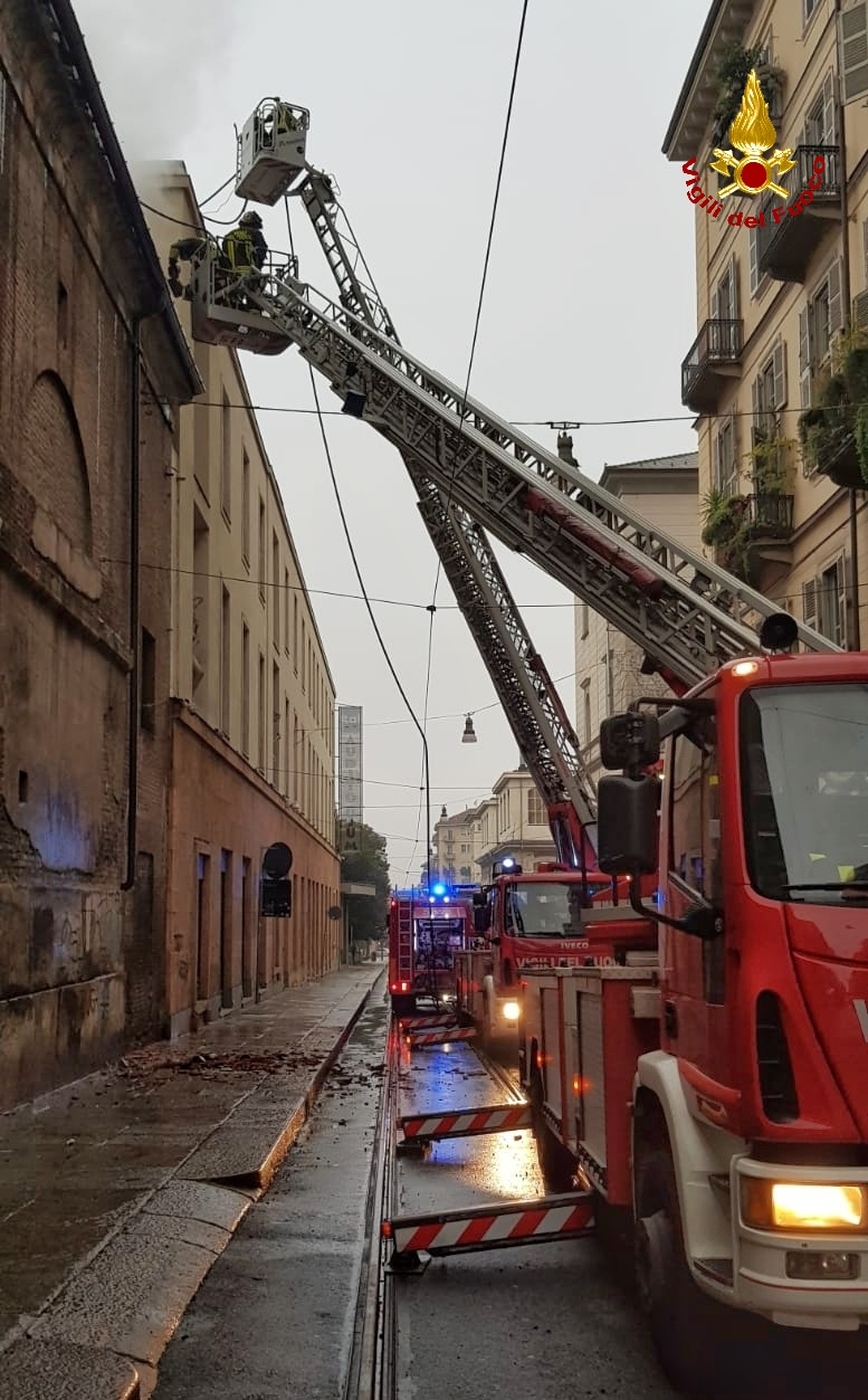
834,430
726,528
732,73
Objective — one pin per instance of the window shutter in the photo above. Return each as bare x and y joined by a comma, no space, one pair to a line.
804,358
715,304
753,244
779,371
836,305
809,603
830,114
843,572
853,35
860,309
755,432
734,289
717,460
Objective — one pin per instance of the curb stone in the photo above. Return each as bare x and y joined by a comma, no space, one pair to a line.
103,1336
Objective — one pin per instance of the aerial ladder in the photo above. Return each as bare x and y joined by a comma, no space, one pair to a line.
475,473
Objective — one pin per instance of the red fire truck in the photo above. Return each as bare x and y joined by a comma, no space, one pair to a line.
712,1086
531,920
427,931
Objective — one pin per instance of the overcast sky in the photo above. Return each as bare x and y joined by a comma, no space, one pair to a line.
589,306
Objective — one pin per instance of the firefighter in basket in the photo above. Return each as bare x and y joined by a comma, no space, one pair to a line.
245,249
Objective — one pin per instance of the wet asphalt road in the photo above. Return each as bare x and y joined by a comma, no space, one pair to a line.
274,1318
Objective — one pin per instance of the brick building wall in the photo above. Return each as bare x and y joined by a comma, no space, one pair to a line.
72,285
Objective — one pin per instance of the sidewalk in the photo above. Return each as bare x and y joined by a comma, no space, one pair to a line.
119,1192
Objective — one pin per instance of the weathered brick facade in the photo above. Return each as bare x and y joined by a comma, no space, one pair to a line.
79,285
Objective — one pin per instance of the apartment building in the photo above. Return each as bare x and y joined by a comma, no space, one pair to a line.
609,677
456,846
512,822
253,698
92,363
782,295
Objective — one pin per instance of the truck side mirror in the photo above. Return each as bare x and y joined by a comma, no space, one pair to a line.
627,824
630,741
481,919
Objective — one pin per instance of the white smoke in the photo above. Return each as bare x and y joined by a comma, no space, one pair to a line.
159,66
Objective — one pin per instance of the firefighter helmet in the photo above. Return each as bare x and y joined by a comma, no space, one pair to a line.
250,220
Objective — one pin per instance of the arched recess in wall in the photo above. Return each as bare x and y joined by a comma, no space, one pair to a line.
54,467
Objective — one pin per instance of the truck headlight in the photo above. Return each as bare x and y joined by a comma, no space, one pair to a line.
803,1205
511,1011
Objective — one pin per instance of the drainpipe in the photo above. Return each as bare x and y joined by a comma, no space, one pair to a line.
135,604
854,628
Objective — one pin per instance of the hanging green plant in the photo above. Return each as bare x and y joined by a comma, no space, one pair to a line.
772,468
860,432
732,72
723,516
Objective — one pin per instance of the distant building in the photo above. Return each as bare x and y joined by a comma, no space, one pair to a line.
512,822
455,847
93,365
253,709
609,667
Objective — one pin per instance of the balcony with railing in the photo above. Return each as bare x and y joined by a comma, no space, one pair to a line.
787,243
713,358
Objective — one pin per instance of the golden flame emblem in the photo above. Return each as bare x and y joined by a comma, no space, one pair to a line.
753,133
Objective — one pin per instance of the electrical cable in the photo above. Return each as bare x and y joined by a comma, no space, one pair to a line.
377,633
488,247
214,193
185,223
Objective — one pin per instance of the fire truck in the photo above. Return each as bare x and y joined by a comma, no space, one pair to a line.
428,931
526,921
709,1085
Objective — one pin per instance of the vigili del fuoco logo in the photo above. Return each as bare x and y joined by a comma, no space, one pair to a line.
752,134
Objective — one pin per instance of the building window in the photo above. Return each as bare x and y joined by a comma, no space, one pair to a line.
769,395
810,8
275,589
821,123
820,320
201,589
245,690
225,662
725,458
245,509
286,611
824,602
262,574
284,786
148,683
261,707
295,633
275,726
535,810
226,457
724,301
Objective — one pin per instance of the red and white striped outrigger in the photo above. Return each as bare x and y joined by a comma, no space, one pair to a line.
426,1023
498,1226
443,1036
464,1122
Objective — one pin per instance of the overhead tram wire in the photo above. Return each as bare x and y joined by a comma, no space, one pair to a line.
488,247
377,633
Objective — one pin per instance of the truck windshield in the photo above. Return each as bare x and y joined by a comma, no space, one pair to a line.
544,910
804,764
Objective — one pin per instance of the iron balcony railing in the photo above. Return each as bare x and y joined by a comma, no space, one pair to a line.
718,343
772,511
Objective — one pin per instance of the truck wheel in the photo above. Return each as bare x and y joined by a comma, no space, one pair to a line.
695,1337
555,1162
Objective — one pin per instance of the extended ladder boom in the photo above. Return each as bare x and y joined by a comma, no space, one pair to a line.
543,732
669,601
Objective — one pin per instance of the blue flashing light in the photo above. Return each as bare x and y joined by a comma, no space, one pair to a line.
438,889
